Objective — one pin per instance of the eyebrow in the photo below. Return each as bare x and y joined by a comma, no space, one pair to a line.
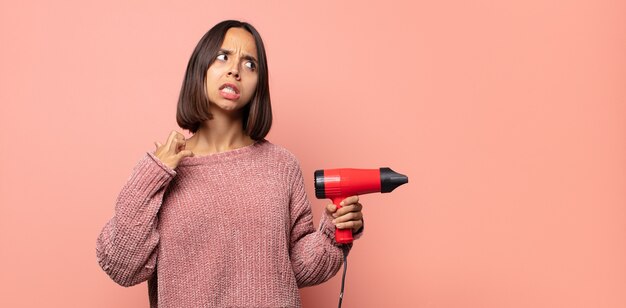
245,56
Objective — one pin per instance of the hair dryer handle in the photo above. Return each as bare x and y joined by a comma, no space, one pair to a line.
342,236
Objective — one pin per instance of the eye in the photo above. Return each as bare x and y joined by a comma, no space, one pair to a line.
250,65
222,57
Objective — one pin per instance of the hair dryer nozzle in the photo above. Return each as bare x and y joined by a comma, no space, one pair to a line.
390,179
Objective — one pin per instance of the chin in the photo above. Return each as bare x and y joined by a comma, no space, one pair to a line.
230,107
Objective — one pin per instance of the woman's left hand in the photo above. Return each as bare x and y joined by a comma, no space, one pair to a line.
349,215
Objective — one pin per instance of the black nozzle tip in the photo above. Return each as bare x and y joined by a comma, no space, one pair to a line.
320,192
390,179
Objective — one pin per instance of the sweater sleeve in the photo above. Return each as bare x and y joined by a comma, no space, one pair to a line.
126,248
315,255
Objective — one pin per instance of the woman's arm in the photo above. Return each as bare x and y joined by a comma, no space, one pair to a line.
315,255
126,248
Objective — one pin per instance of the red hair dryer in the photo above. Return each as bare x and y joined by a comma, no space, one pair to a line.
338,184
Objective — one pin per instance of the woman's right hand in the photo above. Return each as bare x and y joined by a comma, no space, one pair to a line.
173,151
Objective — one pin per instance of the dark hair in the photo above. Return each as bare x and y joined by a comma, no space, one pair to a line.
193,103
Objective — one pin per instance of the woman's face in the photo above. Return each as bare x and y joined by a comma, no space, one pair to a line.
232,78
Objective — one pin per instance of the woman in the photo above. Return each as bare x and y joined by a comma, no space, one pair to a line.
222,219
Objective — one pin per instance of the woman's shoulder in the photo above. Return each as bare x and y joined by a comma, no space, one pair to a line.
280,152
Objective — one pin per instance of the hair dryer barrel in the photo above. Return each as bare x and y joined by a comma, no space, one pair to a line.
344,182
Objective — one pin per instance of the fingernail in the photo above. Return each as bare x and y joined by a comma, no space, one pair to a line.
341,203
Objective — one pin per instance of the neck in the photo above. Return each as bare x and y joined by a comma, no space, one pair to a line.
221,133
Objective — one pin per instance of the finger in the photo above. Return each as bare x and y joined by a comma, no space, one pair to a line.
354,207
349,200
181,145
347,209
358,206
348,217
331,208
185,153
179,135
181,142
355,225
157,144
170,139
174,136
176,144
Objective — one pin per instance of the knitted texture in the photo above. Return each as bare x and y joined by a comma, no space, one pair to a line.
231,229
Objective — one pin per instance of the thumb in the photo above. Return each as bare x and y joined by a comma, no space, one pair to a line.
184,153
158,145
331,208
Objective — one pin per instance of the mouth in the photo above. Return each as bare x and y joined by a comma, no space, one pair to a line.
229,88
229,91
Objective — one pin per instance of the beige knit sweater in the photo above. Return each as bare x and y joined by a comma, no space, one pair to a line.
232,229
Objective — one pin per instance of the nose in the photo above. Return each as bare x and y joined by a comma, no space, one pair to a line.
233,71
234,74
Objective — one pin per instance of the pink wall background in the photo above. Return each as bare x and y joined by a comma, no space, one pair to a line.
509,118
